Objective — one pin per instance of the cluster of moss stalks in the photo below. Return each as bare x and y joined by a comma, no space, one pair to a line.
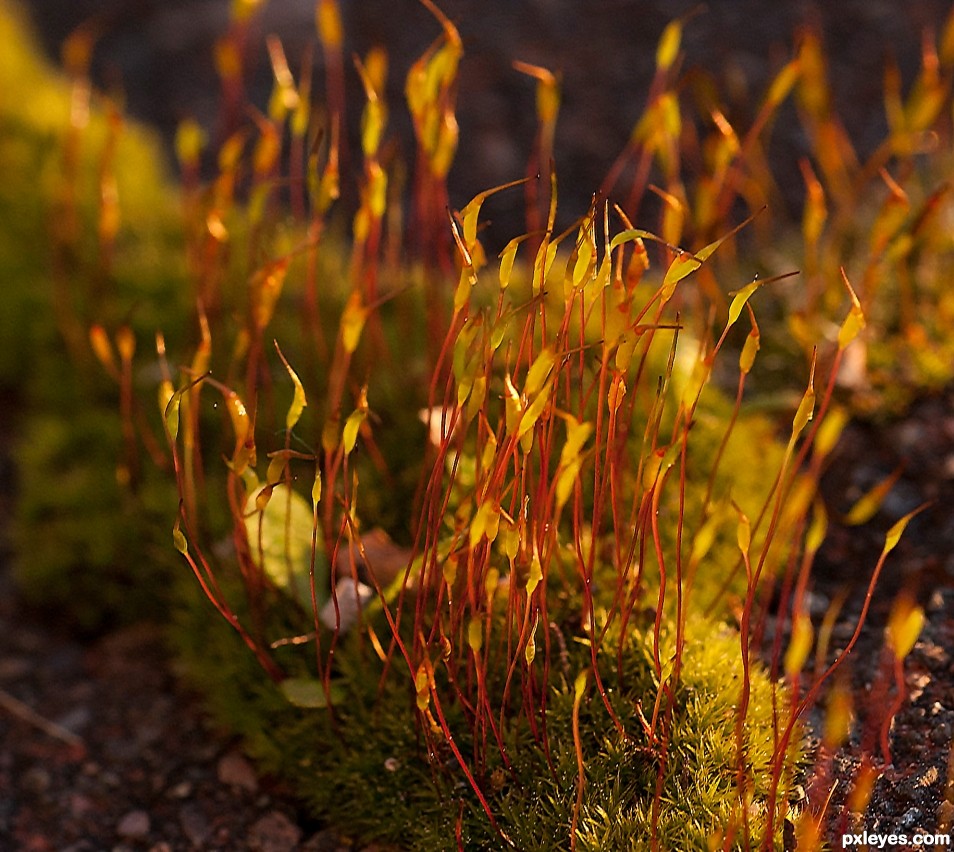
451,715
81,517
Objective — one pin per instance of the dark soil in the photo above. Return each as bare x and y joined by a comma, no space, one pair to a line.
915,792
100,748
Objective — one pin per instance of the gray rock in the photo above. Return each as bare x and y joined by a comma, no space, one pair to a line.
911,817
182,790
194,824
233,769
134,826
274,832
36,781
77,719
326,840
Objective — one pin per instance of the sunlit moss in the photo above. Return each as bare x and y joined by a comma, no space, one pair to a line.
87,545
645,542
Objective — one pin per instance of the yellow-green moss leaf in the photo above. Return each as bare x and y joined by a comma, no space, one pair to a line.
566,480
579,687
904,627
668,48
103,349
535,575
532,414
316,488
507,258
530,651
743,533
475,634
280,538
491,584
741,297
422,682
349,435
749,350
189,142
539,371
170,413
704,539
513,405
838,715
486,523
328,23
799,645
783,83
818,527
897,530
309,692
179,539
869,504
685,264
804,413
830,429
352,322
276,467
855,321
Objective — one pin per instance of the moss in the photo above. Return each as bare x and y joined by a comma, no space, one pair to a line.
34,117
99,548
87,547
366,770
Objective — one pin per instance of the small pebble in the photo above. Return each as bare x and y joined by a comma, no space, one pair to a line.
326,840
941,733
36,780
134,825
274,832
207,753
182,790
110,778
80,805
816,603
911,817
194,824
947,467
233,769
148,734
77,719
928,778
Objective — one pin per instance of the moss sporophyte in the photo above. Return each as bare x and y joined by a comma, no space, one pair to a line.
535,617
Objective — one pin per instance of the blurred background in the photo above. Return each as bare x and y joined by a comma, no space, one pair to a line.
158,55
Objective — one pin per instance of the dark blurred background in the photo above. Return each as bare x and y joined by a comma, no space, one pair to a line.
158,53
